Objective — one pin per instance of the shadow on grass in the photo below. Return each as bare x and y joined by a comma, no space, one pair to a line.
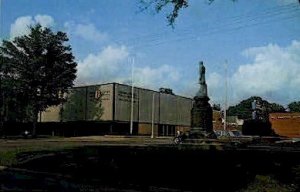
156,168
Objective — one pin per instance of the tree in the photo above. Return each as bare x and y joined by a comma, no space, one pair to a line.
274,107
13,102
244,109
260,125
176,6
160,4
216,107
166,91
83,105
294,106
37,67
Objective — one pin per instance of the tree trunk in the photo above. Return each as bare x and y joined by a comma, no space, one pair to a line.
2,128
34,123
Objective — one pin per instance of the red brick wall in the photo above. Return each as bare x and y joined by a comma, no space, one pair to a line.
217,121
286,124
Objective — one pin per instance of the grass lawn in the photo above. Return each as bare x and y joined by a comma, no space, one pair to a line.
128,160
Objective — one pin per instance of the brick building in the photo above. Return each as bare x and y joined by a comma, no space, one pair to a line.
286,124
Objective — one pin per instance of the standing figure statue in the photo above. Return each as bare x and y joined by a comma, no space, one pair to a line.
203,87
201,114
202,73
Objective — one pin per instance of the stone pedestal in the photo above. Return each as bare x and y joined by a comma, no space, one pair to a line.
201,111
201,116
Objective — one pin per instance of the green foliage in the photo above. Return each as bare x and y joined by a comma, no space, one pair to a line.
274,107
8,158
294,106
216,107
36,70
81,104
175,5
74,107
244,109
94,105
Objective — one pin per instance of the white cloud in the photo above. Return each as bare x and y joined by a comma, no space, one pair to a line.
273,75
154,78
21,24
86,31
112,65
215,85
44,20
102,67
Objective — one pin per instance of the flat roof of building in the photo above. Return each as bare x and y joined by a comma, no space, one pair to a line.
83,86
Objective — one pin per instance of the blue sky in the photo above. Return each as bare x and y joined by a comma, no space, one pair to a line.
260,39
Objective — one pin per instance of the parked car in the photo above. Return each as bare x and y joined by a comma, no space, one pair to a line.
230,133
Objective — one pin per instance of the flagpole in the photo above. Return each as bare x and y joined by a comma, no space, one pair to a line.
152,124
132,96
225,102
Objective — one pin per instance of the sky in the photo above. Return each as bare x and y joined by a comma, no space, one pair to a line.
252,46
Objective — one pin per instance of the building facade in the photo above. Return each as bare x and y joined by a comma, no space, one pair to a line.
150,112
286,124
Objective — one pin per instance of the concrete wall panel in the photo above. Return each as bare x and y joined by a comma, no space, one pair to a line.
146,129
100,102
148,106
74,109
51,114
175,110
123,103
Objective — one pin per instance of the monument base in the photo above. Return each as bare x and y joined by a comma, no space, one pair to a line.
199,133
201,116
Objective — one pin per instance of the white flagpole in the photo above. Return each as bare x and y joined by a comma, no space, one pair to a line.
152,124
132,96
225,102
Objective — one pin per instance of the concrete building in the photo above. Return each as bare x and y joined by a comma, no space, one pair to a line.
112,105
286,124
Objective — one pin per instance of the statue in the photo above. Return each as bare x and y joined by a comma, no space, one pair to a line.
201,117
201,73
203,87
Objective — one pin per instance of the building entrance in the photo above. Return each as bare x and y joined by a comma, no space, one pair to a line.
166,130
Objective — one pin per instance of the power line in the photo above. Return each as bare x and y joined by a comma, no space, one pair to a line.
216,30
248,17
236,23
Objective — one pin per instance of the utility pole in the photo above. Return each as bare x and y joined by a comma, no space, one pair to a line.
1,91
132,96
153,110
225,100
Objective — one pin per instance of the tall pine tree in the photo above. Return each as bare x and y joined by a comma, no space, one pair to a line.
36,70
